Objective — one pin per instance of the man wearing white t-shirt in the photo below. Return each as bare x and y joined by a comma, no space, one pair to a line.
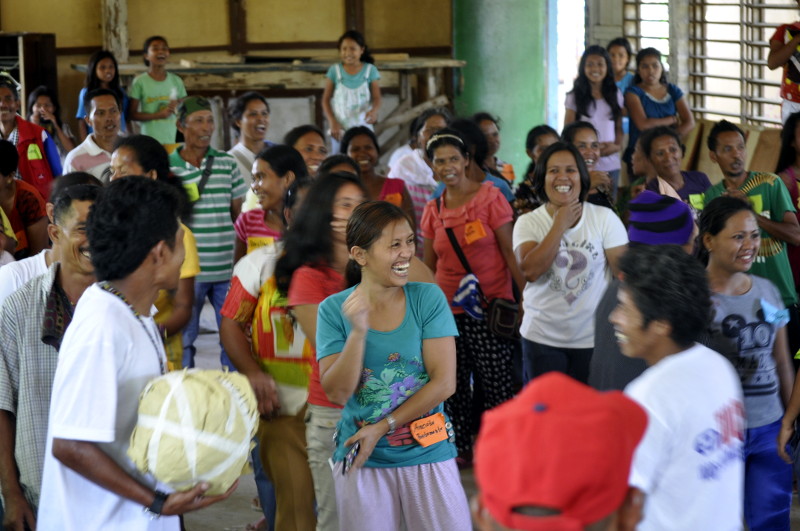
110,352
690,463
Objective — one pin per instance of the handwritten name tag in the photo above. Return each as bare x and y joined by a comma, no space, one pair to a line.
429,430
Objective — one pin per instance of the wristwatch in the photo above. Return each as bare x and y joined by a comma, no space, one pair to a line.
392,424
157,506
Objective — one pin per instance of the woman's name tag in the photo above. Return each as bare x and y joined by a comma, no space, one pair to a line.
474,231
429,430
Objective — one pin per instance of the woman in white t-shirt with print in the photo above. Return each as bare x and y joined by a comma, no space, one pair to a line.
566,249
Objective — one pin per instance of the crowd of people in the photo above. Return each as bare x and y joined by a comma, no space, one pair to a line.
399,326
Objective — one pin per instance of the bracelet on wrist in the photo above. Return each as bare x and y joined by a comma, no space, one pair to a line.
390,420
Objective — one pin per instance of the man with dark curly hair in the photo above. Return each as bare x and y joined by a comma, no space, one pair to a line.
110,352
690,463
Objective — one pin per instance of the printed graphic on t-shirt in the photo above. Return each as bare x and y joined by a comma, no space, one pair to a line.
753,362
400,378
571,274
721,445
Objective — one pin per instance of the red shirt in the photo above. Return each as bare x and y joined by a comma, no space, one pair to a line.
482,215
28,209
312,285
791,70
392,191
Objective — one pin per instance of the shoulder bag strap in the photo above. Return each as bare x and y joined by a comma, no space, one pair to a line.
453,241
206,174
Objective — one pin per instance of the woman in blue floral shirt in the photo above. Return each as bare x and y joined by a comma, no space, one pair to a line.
386,351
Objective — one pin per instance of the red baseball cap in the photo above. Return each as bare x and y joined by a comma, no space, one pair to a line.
560,445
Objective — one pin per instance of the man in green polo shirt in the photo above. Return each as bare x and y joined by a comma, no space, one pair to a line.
773,205
215,187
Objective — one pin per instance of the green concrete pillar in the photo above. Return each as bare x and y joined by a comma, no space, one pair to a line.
505,46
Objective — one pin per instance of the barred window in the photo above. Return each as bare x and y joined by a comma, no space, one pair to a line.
728,48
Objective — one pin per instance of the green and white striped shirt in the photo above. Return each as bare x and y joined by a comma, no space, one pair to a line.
211,219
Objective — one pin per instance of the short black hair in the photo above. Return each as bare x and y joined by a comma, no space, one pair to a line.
240,104
78,192
147,42
447,137
536,132
334,160
540,172
9,158
621,41
126,221
483,116
291,138
569,132
428,113
649,136
353,132
68,180
92,94
667,284
723,126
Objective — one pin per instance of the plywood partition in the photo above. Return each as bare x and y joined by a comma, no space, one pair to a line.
387,23
184,23
691,147
763,148
703,161
295,21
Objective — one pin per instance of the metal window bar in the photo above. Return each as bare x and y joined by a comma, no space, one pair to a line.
758,97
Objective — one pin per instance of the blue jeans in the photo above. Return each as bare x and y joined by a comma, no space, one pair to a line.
538,359
216,292
767,481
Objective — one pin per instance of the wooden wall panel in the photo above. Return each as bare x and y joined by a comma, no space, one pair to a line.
295,21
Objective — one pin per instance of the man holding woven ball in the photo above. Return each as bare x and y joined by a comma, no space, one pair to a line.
110,352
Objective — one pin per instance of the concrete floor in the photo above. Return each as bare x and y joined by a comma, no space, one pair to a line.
236,512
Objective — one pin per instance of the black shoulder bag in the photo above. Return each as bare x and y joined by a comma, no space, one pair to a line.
502,315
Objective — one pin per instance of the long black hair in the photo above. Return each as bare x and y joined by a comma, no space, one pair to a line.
582,89
788,154
42,90
93,82
308,240
359,39
641,56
